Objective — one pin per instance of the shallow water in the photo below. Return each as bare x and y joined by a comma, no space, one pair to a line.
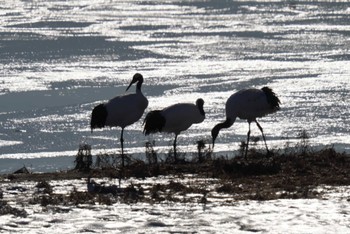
221,214
59,59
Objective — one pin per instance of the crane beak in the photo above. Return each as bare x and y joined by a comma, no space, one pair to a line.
128,86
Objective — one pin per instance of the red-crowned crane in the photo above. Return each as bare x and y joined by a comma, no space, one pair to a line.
121,111
248,104
174,119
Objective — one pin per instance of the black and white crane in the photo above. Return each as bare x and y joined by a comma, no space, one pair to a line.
248,104
121,111
174,119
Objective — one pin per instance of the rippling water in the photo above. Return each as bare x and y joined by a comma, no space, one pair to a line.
59,59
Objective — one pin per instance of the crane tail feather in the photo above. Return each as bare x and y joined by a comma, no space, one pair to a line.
154,122
98,117
272,98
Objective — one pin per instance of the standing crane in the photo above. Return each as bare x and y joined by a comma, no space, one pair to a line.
121,111
248,104
174,119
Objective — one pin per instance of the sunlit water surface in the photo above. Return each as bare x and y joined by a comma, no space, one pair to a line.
59,59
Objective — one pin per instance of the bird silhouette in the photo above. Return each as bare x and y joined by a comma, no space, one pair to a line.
248,104
121,111
174,119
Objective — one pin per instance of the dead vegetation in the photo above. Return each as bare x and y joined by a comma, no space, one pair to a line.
259,177
5,209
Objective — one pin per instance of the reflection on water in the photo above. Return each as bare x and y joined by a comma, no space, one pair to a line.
59,59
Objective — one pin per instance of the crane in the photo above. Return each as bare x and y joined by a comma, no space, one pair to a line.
248,104
121,111
174,119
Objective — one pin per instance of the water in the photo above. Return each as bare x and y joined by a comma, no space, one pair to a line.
59,59
221,214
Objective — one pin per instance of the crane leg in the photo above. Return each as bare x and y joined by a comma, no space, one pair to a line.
262,132
246,147
122,145
175,154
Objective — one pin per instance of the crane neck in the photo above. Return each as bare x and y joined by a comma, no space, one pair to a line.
200,105
226,124
215,131
138,85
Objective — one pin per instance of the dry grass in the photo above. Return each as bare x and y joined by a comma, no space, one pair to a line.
259,177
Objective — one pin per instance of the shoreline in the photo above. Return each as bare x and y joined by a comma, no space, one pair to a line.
246,195
291,174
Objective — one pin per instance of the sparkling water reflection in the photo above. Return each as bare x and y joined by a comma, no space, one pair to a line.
59,59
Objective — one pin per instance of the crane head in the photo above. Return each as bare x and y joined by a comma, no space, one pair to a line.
214,134
136,78
216,129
